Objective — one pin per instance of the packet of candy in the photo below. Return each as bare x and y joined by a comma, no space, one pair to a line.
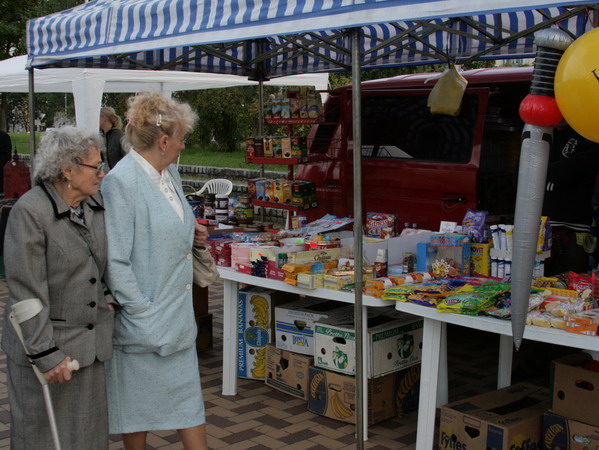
474,224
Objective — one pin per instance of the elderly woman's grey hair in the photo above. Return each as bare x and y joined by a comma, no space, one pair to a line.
62,148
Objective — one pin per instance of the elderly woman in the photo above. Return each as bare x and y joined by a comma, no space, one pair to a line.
153,381
55,250
110,126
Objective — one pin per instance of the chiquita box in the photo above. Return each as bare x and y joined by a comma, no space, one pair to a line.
255,328
394,342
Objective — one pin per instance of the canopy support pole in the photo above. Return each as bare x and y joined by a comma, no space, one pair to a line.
359,322
31,121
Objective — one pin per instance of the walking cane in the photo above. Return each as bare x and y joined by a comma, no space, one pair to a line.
21,312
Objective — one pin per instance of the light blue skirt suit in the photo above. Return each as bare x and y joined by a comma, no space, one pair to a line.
153,380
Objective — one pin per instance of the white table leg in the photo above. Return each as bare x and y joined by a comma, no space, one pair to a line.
432,333
365,366
506,352
230,314
443,383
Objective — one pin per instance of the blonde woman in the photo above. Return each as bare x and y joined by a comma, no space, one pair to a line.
110,126
153,382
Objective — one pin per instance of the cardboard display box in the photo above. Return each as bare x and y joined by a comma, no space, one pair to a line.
287,371
334,394
505,419
295,323
394,342
255,328
561,433
575,390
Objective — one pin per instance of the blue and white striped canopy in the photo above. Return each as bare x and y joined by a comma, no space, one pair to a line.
270,38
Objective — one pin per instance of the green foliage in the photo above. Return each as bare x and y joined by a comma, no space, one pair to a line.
226,116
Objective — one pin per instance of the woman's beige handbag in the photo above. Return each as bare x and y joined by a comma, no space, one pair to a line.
204,268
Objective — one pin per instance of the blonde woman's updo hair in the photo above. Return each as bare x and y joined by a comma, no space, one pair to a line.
62,148
111,115
150,114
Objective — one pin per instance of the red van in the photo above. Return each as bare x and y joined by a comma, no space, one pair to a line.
423,167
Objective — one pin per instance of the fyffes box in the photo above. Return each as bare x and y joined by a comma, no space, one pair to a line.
288,371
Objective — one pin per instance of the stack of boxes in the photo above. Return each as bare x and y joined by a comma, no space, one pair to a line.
573,420
276,147
312,352
298,193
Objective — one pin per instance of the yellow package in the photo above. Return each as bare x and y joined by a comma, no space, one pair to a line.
446,96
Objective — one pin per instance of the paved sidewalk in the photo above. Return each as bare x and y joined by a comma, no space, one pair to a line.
262,418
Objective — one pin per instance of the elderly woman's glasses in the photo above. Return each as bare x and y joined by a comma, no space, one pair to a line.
99,168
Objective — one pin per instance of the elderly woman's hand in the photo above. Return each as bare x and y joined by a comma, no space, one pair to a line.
200,237
59,373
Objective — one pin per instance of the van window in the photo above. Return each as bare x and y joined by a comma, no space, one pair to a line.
402,127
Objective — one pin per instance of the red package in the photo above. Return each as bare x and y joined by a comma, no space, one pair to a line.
579,282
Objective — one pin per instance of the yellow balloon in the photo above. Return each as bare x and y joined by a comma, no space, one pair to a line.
577,85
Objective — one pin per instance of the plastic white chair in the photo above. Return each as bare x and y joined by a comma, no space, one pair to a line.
217,186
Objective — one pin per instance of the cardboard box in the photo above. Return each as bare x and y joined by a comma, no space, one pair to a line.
480,259
394,342
333,394
314,256
287,371
575,390
561,433
508,418
294,329
255,328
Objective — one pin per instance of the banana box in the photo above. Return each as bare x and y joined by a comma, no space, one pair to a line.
288,371
563,433
294,323
333,394
394,342
255,327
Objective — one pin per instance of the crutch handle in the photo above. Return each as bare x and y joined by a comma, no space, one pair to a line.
73,365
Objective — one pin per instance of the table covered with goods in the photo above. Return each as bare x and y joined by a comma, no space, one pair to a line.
288,295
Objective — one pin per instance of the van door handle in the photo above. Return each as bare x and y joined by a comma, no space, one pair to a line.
454,199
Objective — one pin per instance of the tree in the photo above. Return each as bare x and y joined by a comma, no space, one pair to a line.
226,116
13,27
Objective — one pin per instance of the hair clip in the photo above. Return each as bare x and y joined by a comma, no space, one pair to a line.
159,120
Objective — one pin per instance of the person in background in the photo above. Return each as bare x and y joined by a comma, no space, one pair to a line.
110,126
568,201
5,155
55,250
153,379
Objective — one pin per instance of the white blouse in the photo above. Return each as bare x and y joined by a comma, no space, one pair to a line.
164,182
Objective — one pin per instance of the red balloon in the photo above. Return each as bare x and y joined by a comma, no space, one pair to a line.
540,110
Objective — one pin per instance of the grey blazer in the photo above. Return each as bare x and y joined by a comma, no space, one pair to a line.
50,255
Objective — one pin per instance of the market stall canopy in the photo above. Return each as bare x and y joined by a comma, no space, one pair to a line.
281,37
87,85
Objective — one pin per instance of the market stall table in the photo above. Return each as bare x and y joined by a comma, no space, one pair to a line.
433,382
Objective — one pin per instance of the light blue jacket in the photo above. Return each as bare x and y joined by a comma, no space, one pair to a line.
149,270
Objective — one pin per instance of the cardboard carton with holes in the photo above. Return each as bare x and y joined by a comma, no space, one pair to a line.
394,342
294,322
575,389
509,418
562,433
255,328
333,394
287,371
